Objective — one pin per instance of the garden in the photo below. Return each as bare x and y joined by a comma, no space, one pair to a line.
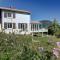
21,47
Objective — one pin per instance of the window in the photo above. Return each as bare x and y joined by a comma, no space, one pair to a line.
9,25
13,15
5,25
14,25
5,15
33,26
25,26
22,26
19,25
9,14
40,26
37,26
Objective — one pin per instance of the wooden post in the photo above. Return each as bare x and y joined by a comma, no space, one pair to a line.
32,36
47,33
42,34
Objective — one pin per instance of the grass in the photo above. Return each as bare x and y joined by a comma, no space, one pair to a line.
12,45
43,42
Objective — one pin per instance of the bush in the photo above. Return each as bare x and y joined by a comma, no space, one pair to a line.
20,47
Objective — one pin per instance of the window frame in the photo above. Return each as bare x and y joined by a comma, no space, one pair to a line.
14,15
14,25
5,25
22,26
9,25
9,14
5,14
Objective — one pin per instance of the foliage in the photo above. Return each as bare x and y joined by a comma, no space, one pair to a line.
48,56
21,47
54,28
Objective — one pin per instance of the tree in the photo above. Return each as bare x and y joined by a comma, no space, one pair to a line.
54,27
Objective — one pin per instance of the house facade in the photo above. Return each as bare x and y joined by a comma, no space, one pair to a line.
13,20
18,22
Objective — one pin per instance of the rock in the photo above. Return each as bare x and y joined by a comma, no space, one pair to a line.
56,52
58,44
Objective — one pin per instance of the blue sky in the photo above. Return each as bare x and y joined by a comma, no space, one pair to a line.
40,9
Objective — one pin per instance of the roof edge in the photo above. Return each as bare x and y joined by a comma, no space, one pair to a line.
13,9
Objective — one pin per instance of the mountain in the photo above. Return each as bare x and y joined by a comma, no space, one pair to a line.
45,23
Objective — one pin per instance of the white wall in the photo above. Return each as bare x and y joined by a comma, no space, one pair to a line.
41,30
20,18
23,18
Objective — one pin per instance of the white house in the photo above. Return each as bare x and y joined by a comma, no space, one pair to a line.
18,21
13,20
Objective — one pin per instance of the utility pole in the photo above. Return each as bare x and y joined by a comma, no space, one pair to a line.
12,4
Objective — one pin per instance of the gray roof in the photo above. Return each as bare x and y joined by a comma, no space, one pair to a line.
16,10
35,22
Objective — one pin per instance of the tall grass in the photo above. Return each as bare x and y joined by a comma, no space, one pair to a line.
21,47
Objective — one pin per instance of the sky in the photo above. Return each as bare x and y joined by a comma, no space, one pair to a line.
40,9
